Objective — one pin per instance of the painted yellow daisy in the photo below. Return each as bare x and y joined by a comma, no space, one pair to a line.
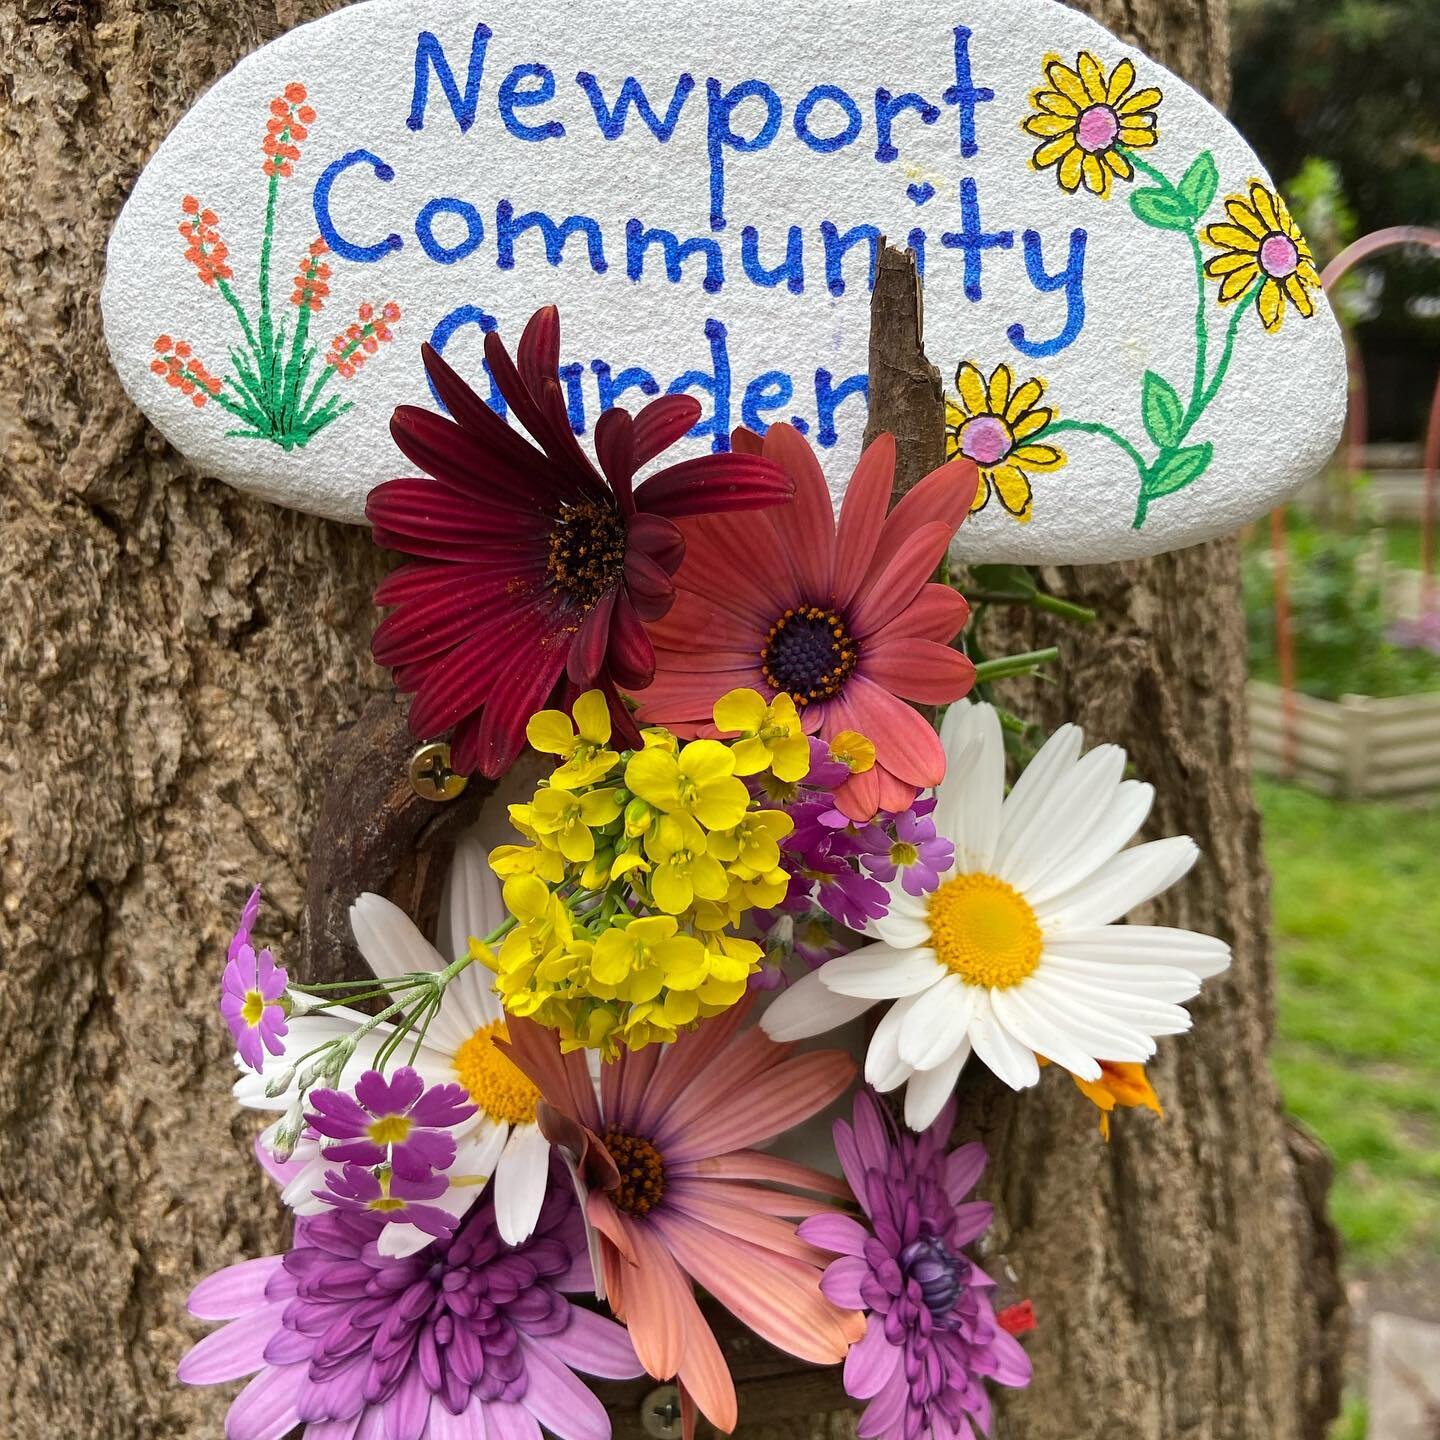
1083,118
1261,238
993,422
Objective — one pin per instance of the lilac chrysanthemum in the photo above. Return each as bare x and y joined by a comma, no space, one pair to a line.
468,1337
931,1339
396,1121
251,991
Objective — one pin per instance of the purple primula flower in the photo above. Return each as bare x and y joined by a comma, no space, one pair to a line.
931,1339
469,1337
913,850
251,992
392,1197
395,1121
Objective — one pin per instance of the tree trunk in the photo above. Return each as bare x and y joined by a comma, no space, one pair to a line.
176,660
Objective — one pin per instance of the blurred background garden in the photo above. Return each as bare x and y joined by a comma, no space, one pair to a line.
1339,98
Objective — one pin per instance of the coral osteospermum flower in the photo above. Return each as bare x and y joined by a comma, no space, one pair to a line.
1261,244
842,618
995,423
469,1337
532,565
1083,120
932,1338
459,1047
1015,954
677,1195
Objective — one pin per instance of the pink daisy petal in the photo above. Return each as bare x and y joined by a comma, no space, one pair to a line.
862,516
920,670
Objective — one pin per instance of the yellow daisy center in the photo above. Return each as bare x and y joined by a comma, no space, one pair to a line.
494,1081
390,1130
253,1010
984,930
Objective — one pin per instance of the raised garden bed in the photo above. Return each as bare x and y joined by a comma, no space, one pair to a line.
1355,747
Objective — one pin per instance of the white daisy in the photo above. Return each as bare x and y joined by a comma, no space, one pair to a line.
1015,955
459,1047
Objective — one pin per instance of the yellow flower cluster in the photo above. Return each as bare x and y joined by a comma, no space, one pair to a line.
637,868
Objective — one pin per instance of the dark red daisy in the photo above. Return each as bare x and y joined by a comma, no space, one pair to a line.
532,566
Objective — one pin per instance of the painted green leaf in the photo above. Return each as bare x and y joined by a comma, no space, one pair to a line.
1175,469
1161,410
1201,181
1160,209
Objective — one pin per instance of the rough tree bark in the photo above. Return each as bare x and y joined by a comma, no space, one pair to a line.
174,661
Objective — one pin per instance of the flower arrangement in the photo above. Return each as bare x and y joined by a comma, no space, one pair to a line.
767,808
275,390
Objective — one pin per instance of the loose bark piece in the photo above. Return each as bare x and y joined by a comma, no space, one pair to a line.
373,832
905,392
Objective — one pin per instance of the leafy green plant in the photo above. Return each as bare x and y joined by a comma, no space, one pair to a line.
1337,617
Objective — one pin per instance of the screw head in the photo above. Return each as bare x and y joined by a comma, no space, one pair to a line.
431,777
660,1413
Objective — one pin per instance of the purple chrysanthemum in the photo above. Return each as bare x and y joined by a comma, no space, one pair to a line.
395,1121
931,1339
251,991
468,1337
908,846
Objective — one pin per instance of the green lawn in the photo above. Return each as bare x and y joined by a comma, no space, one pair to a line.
1357,935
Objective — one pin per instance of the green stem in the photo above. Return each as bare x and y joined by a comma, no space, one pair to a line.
267,329
292,368
1009,666
1094,427
223,286
1242,308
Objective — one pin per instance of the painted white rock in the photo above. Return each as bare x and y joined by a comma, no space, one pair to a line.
1140,353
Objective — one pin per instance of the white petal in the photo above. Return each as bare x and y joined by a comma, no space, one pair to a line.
884,1069
969,798
1106,1036
807,1008
928,1090
1008,1057
1155,1017
1119,885
1031,791
882,973
305,1033
478,1154
470,905
1114,828
1075,805
899,929
520,1180
1202,955
1037,1029
938,1024
1155,982
397,1240
393,946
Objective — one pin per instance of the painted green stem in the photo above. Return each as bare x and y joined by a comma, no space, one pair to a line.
1094,427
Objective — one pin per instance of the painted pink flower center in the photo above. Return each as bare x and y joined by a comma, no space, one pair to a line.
985,439
1278,255
1098,127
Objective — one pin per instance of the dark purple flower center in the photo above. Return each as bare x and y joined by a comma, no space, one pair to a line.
642,1171
931,1266
809,653
587,551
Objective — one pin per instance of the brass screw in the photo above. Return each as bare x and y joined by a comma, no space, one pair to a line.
660,1413
431,777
